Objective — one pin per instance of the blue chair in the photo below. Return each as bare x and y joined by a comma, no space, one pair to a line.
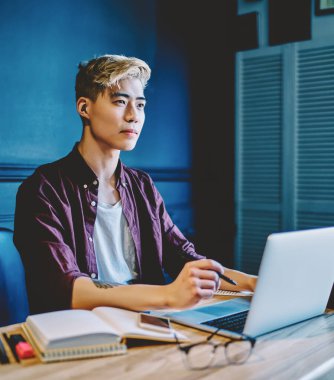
14,307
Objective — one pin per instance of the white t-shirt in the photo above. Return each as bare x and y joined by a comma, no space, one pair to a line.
114,246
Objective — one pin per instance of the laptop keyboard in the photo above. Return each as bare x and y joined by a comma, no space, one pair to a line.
233,322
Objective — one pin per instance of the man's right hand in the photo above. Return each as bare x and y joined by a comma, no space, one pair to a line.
197,280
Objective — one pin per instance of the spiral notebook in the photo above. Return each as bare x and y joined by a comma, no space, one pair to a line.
71,334
75,334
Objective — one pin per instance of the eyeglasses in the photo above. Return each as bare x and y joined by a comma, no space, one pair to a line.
202,354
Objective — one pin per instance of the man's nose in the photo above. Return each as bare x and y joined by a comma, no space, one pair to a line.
131,114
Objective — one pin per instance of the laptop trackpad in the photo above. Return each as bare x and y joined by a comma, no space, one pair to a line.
217,310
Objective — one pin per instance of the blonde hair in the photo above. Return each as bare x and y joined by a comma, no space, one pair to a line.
106,71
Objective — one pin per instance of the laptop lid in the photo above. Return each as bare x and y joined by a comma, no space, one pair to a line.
295,279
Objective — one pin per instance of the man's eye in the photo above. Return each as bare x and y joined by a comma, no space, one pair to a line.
119,101
141,105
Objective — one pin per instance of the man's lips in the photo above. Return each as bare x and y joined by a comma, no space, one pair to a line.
129,131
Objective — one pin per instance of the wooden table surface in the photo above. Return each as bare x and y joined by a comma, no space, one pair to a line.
302,351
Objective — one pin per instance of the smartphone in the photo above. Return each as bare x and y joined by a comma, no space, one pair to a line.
160,324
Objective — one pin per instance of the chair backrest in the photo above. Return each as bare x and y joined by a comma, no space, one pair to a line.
14,307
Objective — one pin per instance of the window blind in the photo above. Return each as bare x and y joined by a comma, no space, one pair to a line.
284,128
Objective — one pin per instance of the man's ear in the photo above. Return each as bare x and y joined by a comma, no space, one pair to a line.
82,104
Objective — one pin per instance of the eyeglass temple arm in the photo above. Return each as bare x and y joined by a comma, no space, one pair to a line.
212,334
176,338
244,336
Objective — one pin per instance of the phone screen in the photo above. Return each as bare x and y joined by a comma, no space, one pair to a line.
155,321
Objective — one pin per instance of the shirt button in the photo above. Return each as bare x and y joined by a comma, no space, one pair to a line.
93,203
85,186
95,182
124,184
93,275
90,239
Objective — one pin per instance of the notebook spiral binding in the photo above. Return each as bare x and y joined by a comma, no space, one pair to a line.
53,355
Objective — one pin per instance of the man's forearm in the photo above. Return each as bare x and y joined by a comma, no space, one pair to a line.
88,294
197,280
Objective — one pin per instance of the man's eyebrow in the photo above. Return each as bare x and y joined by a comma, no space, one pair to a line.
116,94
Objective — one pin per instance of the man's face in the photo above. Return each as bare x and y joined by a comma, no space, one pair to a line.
117,116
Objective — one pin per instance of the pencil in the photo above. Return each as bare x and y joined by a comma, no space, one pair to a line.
227,279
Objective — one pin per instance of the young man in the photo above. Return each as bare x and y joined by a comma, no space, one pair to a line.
93,232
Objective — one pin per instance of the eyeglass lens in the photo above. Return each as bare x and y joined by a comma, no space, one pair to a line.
238,351
200,356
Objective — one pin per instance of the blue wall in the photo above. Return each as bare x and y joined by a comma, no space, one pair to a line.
41,43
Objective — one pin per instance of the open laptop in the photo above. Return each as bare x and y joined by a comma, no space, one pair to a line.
295,280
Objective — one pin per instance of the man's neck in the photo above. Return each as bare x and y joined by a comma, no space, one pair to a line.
102,161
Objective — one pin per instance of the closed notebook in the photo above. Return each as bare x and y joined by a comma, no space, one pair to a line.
73,334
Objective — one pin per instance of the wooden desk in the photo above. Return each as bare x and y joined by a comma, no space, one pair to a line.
302,351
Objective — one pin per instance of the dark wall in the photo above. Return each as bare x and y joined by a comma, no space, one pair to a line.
205,33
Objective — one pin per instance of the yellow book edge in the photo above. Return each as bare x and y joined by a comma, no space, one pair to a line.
71,353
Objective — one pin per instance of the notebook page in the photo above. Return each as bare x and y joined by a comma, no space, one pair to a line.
243,293
126,323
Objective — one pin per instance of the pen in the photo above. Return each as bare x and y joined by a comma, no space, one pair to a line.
227,279
11,346
3,356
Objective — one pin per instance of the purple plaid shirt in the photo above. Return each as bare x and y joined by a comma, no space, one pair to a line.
54,223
